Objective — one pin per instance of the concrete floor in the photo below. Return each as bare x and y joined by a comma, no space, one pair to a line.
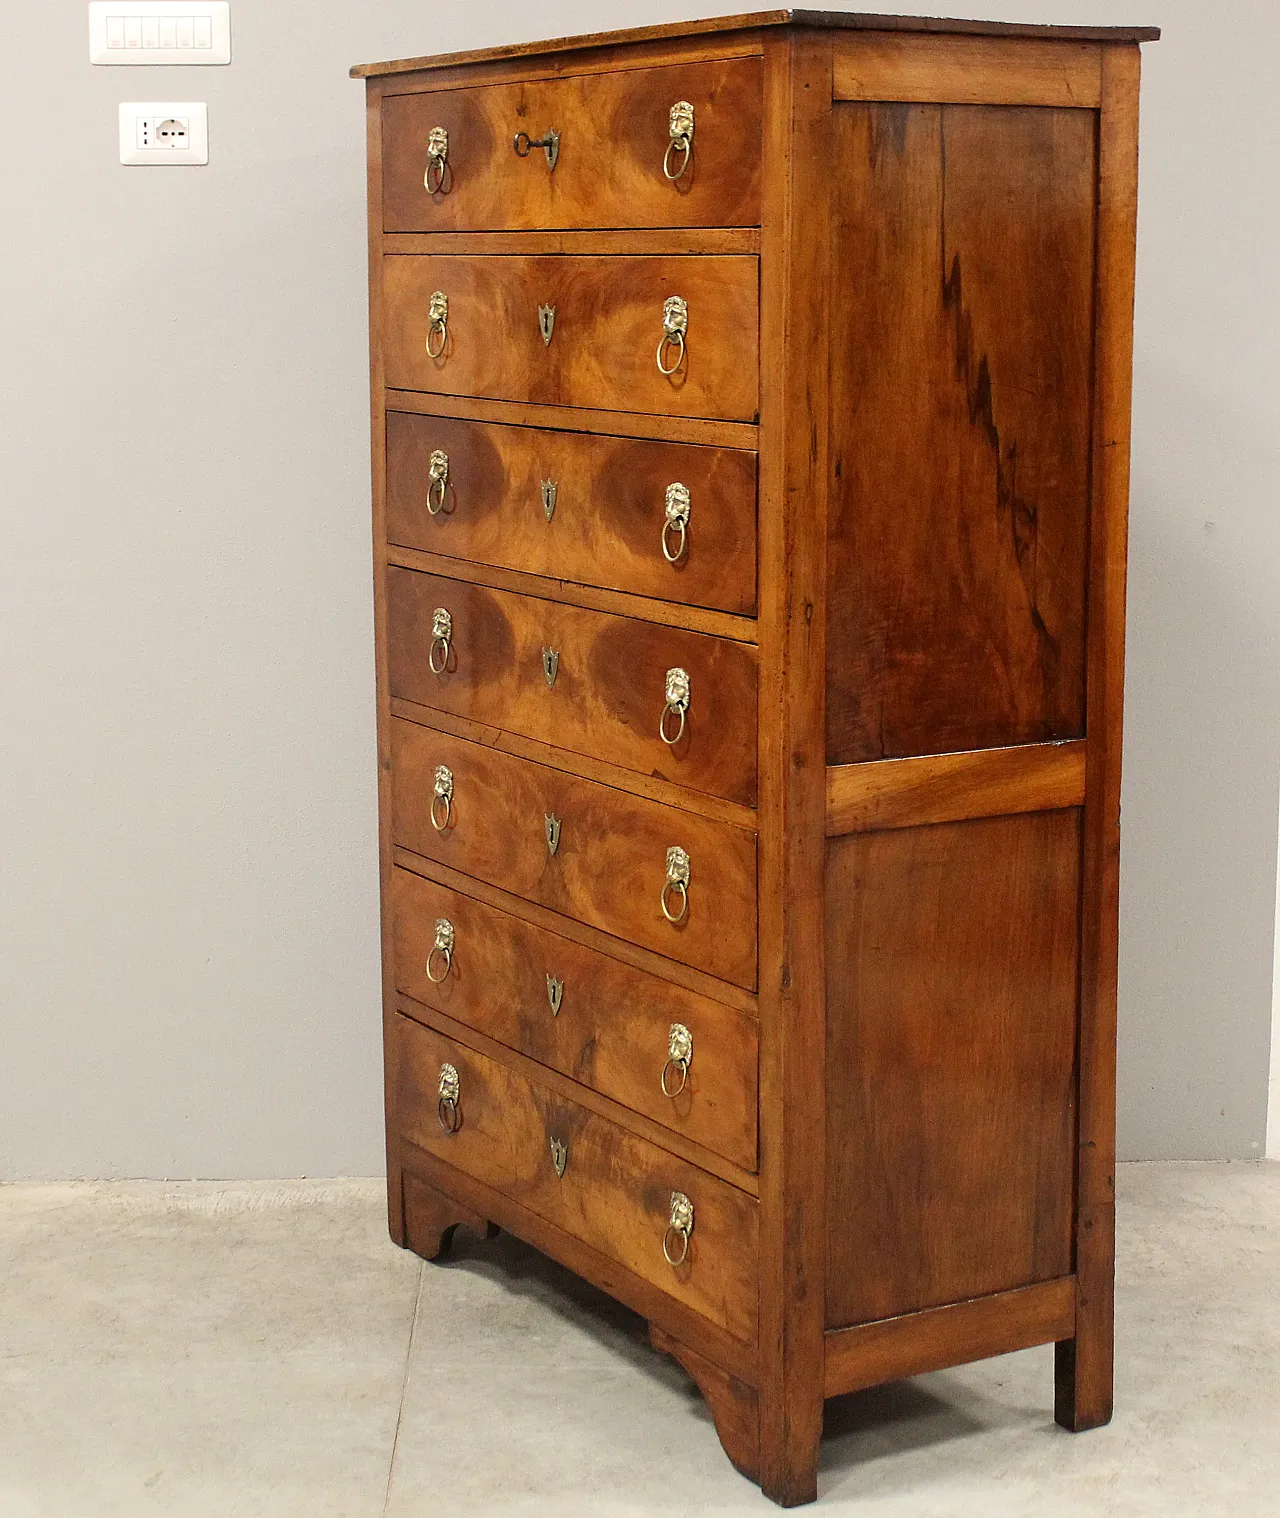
263,1350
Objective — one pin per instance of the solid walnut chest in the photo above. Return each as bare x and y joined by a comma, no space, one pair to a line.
750,418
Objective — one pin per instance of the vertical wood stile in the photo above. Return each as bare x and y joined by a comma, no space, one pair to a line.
793,523
1085,1363
378,456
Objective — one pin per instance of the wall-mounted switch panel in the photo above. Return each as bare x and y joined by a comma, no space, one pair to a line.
164,131
159,31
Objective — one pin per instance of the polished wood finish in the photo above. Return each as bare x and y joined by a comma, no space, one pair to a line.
977,71
904,422
614,132
609,867
960,497
615,1192
608,515
610,688
603,352
612,1026
996,782
918,1342
952,963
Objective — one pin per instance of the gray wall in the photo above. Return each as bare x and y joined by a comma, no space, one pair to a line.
188,977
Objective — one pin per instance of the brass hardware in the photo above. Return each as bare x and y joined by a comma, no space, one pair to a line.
681,139
550,666
675,323
443,792
678,697
441,637
438,473
677,880
549,492
552,826
679,1057
681,1225
555,994
442,946
677,518
546,323
550,145
437,322
559,1155
437,159
447,1110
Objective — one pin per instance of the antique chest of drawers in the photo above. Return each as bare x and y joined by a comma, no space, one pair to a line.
750,472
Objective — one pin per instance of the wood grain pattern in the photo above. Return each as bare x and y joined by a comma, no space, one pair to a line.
918,1342
734,1404
761,20
795,292
609,868
432,1219
967,71
960,413
661,242
952,959
615,1193
607,521
1085,1362
612,1028
609,692
614,131
608,326
994,782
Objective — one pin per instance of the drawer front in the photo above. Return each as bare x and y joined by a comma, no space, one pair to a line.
587,1016
610,679
577,507
614,1192
609,865
604,344
614,131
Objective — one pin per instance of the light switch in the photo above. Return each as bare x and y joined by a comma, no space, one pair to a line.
159,31
164,132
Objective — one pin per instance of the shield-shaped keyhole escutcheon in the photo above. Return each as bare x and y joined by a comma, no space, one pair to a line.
546,323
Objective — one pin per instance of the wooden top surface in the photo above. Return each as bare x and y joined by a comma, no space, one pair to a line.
855,21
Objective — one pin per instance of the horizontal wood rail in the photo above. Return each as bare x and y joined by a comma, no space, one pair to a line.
894,1348
642,240
992,782
967,71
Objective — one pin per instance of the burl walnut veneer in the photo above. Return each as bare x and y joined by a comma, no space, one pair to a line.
750,484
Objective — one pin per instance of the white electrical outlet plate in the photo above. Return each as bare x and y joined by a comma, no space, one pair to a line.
159,31
164,131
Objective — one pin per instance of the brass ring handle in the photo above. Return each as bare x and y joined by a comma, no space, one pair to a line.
444,947
679,694
677,880
681,140
438,323
680,1227
448,1112
441,638
679,1058
437,158
443,792
675,323
438,474
676,518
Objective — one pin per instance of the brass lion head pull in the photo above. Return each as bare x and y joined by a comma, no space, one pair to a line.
438,474
676,520
679,1058
679,1230
447,1109
443,946
680,147
679,693
437,323
442,794
675,323
437,160
441,640
677,884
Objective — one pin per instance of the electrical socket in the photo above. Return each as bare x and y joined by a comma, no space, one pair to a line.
160,132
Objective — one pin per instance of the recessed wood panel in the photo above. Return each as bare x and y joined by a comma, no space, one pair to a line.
952,958
614,132
960,428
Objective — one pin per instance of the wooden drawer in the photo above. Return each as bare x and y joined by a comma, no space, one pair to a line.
609,865
607,514
608,324
610,679
614,131
615,1191
582,1013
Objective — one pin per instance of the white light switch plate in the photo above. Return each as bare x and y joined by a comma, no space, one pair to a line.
164,131
159,31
